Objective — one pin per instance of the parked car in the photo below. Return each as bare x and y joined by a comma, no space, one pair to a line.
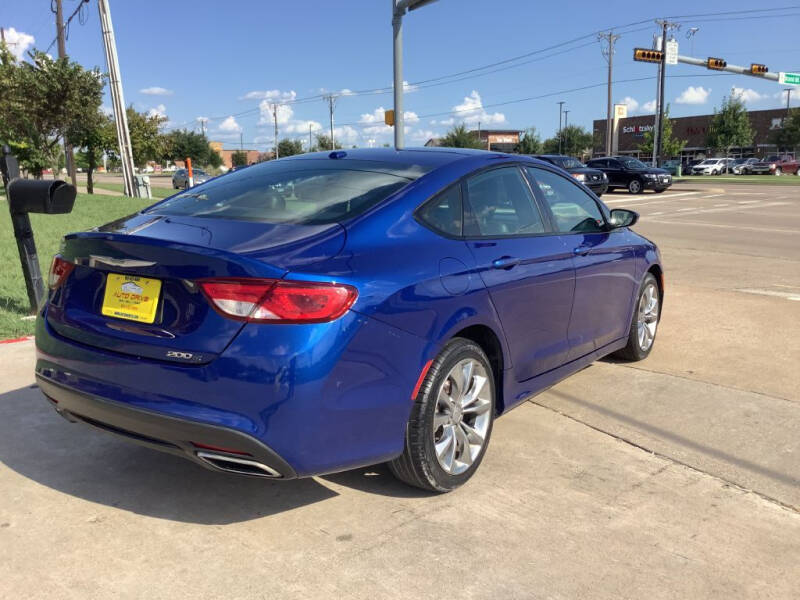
741,166
594,179
180,178
775,165
386,306
712,166
631,174
671,166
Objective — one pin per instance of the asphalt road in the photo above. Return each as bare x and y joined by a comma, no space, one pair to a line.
676,477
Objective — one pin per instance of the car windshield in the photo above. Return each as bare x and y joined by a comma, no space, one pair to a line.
740,161
710,162
567,162
632,163
303,191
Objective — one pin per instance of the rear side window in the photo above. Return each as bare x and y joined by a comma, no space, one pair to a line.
501,204
302,192
444,213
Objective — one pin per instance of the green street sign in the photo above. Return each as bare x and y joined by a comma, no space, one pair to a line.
789,78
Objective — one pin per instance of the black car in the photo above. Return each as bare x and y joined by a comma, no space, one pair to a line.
632,174
594,179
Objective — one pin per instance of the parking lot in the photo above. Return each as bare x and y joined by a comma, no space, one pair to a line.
676,477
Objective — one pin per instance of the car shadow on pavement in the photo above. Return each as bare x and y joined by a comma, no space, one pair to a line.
77,460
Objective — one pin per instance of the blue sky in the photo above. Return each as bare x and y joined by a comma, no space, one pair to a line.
228,61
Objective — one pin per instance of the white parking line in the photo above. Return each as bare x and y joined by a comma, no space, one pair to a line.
656,213
661,198
734,208
748,201
786,295
721,226
718,205
689,208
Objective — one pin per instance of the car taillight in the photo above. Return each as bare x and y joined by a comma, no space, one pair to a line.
278,301
59,271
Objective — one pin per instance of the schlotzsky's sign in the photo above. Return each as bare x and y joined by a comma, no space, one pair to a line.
637,130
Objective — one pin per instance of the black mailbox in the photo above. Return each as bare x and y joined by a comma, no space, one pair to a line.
52,197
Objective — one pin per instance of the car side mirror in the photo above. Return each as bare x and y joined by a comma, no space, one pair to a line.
622,217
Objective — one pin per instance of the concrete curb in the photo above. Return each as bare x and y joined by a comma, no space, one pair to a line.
19,339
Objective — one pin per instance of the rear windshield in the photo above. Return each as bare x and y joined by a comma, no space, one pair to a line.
294,191
569,163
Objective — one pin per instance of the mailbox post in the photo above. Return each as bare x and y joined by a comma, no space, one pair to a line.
26,196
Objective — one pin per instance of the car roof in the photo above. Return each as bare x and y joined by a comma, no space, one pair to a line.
424,157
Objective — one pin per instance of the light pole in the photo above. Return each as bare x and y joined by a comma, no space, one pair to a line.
566,131
399,8
560,107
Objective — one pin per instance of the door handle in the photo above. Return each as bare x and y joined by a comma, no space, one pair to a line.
506,262
581,250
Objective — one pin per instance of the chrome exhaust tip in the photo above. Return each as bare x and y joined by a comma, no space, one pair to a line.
240,466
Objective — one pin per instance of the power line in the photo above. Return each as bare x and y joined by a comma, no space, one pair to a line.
79,12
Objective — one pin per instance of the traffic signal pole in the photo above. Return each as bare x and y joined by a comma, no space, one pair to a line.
704,62
659,132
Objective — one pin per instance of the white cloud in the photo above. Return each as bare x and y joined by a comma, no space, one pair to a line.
632,103
693,95
408,87
794,98
748,96
18,42
346,135
107,110
649,107
157,111
471,111
270,95
300,126
156,91
229,125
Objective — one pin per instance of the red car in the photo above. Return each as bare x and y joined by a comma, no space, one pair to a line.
776,165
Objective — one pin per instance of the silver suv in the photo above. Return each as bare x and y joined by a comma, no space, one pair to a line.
180,179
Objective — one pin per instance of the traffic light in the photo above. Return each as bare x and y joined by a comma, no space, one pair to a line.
716,63
647,55
756,69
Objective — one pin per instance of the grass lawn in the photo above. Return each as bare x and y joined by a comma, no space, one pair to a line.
48,230
745,179
158,192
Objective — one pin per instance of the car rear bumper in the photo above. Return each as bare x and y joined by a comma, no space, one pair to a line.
216,448
305,400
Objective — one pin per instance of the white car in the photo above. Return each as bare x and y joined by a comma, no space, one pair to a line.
712,166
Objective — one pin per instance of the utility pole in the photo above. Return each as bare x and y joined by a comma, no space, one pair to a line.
241,143
275,121
331,102
608,53
117,99
479,134
309,138
658,134
560,106
62,53
788,98
566,133
399,8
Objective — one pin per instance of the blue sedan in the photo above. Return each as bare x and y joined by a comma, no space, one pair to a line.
334,310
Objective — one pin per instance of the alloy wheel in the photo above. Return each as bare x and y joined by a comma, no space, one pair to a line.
462,416
647,319
634,187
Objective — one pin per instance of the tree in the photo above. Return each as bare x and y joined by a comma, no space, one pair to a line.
459,137
530,142
788,136
239,158
41,100
287,147
323,142
147,143
730,127
670,145
94,136
575,141
182,143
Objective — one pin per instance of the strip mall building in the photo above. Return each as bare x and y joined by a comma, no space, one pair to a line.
629,133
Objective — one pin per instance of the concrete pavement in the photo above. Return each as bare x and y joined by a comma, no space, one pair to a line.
676,477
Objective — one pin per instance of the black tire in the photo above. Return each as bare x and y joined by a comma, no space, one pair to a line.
632,350
418,465
635,186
